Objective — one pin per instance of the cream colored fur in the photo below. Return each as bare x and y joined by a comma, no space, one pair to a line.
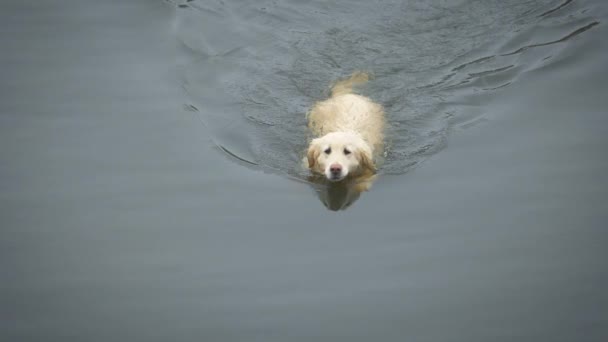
351,128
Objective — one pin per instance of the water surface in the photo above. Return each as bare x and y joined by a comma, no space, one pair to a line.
150,188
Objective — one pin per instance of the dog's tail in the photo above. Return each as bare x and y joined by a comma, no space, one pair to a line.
346,86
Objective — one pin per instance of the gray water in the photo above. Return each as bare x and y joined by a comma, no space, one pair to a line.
151,189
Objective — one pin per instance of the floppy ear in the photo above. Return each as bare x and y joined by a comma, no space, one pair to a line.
365,160
313,153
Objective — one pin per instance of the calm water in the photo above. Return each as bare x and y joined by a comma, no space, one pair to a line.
151,189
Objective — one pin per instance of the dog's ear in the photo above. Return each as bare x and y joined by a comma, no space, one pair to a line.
366,162
313,153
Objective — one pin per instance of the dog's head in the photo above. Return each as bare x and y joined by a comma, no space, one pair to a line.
339,155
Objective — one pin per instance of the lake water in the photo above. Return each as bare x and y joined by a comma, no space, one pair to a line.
151,188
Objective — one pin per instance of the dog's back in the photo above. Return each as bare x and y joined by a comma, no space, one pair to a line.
347,112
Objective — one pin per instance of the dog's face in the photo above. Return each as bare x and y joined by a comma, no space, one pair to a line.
338,155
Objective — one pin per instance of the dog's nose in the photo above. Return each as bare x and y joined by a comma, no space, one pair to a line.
335,169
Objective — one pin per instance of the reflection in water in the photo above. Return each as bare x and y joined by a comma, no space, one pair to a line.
339,195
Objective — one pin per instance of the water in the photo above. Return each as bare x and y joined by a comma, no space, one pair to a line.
133,206
281,56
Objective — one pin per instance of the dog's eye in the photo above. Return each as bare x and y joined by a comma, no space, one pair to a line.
328,150
346,151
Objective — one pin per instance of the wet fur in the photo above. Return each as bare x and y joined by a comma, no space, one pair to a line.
347,119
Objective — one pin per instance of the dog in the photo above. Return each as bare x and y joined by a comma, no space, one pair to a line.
349,134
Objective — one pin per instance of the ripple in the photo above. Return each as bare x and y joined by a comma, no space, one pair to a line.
262,66
563,39
476,61
237,157
564,4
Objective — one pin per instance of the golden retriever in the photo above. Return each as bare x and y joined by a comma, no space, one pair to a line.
349,131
